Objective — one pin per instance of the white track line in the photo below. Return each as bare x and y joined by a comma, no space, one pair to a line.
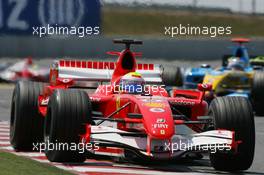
32,154
10,148
117,170
43,161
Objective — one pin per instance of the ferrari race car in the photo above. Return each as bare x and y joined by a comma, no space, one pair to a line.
23,70
129,115
237,77
4,65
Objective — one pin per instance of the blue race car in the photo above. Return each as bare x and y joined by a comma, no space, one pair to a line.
236,77
196,75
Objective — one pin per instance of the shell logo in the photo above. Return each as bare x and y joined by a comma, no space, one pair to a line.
155,105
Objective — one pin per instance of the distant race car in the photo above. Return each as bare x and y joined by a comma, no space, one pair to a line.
23,70
236,77
129,115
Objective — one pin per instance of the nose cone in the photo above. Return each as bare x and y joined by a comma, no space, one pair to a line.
158,120
161,128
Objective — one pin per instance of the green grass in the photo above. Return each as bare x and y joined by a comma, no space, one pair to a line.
11,164
151,22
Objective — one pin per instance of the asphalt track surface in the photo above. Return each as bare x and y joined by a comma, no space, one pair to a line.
113,167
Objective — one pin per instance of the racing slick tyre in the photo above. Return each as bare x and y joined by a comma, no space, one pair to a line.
258,93
68,112
172,76
26,124
235,114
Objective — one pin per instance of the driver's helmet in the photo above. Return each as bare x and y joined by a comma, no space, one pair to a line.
132,83
235,63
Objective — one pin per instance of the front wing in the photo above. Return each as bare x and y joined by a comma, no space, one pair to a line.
115,142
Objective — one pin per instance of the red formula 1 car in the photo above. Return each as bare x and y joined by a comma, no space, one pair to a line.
132,116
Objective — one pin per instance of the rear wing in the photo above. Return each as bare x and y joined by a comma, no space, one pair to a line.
240,40
102,71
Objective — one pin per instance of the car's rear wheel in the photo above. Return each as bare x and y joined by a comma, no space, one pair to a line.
172,76
68,112
258,93
26,124
235,114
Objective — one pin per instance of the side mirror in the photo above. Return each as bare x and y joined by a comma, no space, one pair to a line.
204,87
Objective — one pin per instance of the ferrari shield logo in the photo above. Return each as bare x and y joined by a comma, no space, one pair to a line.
162,131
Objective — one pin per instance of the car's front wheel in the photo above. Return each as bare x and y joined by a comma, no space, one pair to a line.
235,114
68,112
